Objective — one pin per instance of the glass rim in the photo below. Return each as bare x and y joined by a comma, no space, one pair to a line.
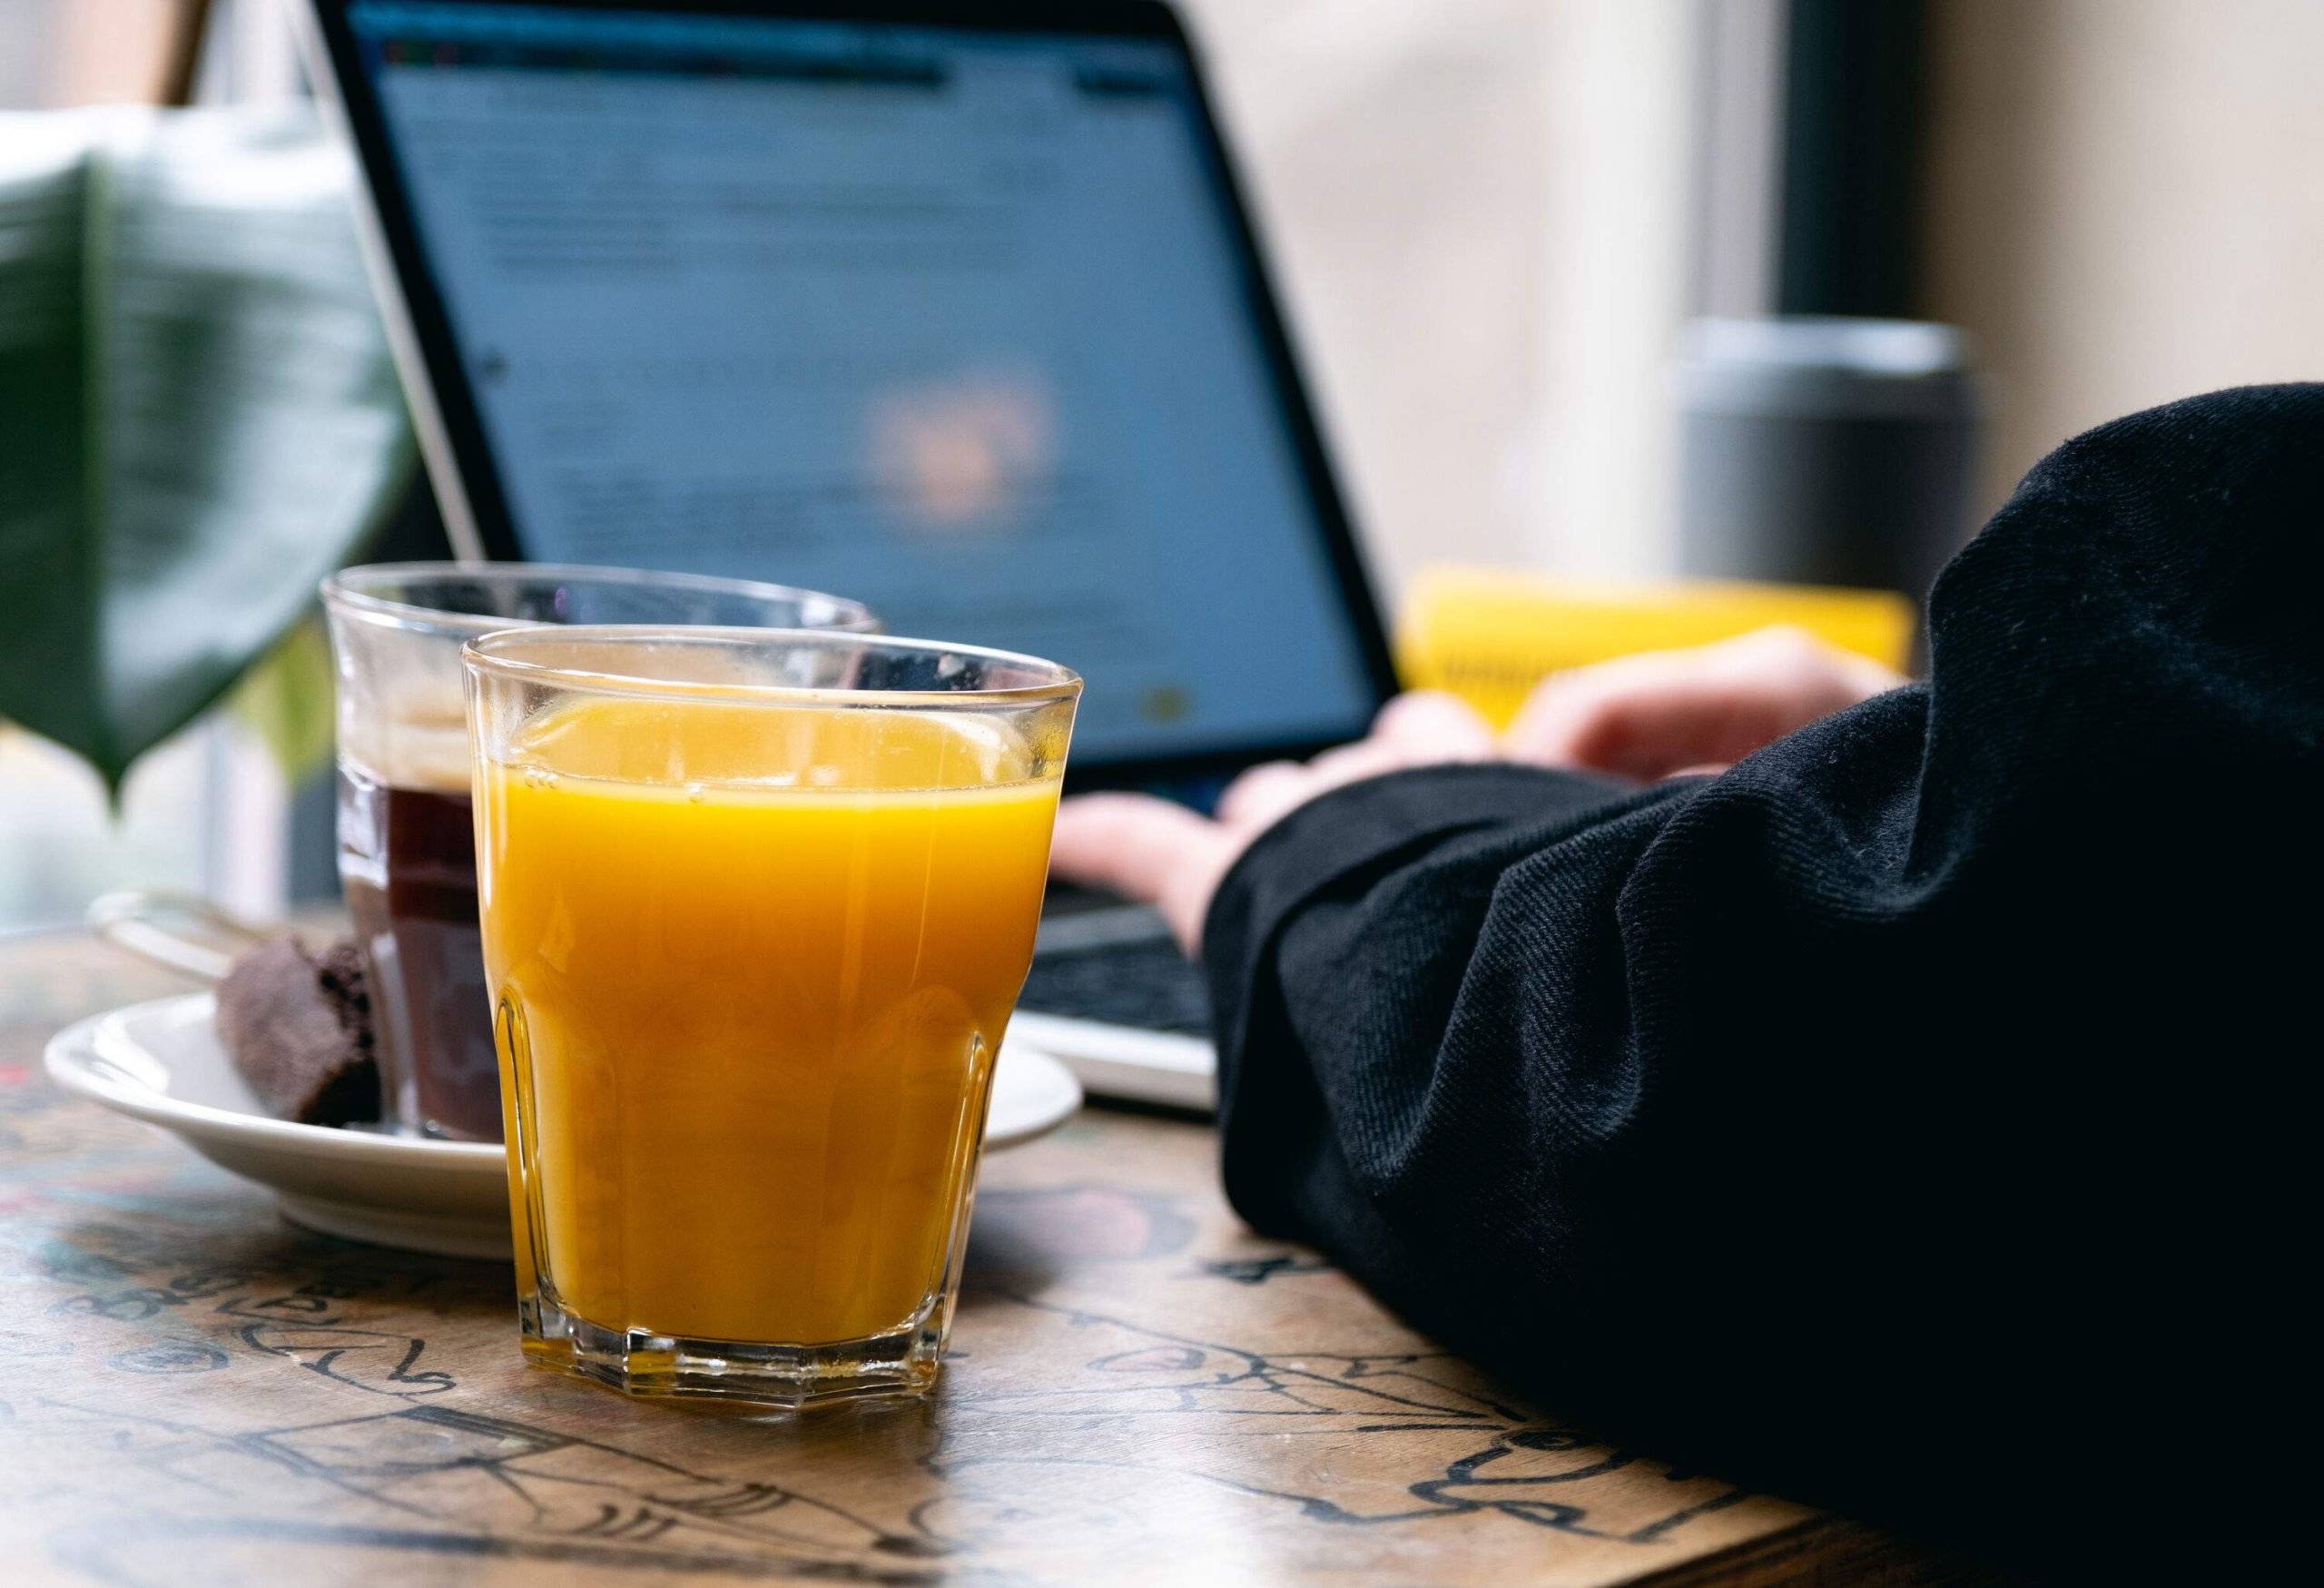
342,592
483,657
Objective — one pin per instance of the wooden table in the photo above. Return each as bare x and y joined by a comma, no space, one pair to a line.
192,1391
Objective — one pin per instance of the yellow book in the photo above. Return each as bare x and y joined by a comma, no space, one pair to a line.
1489,635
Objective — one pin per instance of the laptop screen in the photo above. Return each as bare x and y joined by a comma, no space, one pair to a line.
948,320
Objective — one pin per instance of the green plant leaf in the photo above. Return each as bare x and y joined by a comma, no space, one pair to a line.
287,701
198,414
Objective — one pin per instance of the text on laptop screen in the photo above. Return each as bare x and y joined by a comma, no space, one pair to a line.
945,320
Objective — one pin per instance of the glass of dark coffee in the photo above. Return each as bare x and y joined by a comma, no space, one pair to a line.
406,835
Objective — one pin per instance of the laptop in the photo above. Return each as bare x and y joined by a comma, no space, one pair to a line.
954,308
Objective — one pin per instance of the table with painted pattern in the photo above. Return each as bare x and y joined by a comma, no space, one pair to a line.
193,1392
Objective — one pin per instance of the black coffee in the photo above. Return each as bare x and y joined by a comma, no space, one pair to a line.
408,864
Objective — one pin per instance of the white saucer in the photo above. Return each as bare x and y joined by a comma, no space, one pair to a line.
161,1062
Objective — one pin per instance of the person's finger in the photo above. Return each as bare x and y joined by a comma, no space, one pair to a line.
1421,728
1147,849
1347,762
1131,844
1571,718
1429,724
1649,715
1262,794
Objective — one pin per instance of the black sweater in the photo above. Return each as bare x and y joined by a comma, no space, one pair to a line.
1913,1119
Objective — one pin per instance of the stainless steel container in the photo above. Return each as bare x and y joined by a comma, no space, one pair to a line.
1825,452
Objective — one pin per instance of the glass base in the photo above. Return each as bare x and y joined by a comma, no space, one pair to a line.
899,1365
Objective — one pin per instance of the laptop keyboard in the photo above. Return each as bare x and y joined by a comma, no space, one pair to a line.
1136,982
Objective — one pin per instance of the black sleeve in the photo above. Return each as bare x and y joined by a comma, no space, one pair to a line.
1904,1119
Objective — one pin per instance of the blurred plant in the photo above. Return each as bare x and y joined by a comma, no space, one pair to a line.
288,700
199,418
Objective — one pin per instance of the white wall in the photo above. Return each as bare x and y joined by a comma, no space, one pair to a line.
1478,209
25,51
2127,204
82,51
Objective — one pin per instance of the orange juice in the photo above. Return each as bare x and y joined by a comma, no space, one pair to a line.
748,1021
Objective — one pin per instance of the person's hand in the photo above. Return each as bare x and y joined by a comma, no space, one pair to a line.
1658,713
1651,716
1166,855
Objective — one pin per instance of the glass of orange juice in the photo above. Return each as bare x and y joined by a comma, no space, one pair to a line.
756,907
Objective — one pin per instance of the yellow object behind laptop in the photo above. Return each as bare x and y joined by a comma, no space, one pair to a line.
1489,635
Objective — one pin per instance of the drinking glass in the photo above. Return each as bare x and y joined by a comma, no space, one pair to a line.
757,910
407,840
